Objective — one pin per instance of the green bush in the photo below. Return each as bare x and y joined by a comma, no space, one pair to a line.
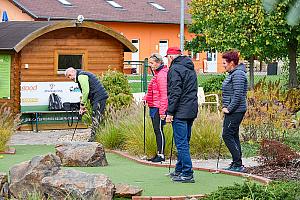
118,89
292,139
213,83
8,125
253,191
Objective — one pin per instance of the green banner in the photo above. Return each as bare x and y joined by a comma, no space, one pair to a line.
5,64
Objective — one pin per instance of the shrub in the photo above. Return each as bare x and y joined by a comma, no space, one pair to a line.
118,89
292,100
213,83
292,139
267,116
249,190
8,124
276,153
206,135
124,129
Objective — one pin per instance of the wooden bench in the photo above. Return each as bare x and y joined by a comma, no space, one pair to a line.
36,115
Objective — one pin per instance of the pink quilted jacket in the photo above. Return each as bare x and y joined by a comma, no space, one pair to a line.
157,91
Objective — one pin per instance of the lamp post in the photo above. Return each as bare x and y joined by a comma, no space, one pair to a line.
182,25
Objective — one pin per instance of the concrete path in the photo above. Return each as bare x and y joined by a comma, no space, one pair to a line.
56,136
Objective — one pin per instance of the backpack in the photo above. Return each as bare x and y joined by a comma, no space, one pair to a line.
55,102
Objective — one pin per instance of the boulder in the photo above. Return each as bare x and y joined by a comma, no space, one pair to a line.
3,186
127,191
26,177
78,185
81,154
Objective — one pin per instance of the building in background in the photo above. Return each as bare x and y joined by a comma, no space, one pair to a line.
151,26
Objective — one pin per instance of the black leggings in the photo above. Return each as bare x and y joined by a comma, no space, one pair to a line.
159,133
231,137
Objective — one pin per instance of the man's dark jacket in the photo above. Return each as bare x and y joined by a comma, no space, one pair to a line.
182,89
97,91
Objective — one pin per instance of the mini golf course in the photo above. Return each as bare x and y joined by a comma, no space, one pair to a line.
122,170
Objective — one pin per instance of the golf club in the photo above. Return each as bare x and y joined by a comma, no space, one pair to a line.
171,154
79,118
144,128
219,152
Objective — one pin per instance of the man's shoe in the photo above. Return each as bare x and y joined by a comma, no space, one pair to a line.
184,179
158,158
150,159
173,174
229,167
238,169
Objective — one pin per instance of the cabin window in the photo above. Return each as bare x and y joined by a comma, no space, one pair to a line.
66,61
70,58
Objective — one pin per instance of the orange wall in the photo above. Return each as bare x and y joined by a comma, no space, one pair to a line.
14,13
149,35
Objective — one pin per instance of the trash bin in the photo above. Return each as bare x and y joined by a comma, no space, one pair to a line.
272,68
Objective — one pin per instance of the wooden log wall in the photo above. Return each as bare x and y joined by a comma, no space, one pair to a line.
102,52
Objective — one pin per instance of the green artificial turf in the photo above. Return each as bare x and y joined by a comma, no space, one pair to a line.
121,170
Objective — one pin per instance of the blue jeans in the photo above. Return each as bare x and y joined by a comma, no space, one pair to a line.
182,129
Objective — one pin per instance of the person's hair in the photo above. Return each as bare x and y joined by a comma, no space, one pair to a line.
68,70
157,58
232,55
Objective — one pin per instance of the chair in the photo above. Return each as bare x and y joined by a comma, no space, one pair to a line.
202,97
138,97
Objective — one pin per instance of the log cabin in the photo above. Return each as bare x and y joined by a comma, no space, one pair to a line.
35,54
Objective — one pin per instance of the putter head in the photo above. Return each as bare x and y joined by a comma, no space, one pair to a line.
143,158
216,172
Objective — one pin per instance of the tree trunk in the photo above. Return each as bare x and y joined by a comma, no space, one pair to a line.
251,72
292,50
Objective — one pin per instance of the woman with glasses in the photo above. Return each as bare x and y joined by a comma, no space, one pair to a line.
157,101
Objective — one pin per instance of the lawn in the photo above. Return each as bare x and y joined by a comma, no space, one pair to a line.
121,170
136,86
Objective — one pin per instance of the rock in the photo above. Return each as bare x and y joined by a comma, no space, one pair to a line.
81,154
78,185
26,177
127,191
3,186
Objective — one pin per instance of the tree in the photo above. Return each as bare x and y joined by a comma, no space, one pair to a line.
288,35
243,25
293,15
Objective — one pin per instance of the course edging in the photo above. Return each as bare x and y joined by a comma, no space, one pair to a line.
144,162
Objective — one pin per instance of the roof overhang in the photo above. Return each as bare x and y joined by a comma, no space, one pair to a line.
128,46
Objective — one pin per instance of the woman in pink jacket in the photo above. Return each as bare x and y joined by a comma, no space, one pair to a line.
157,100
